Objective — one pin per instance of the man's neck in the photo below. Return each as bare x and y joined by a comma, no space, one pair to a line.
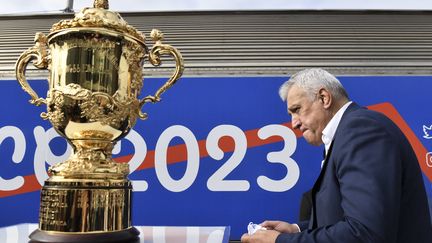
337,105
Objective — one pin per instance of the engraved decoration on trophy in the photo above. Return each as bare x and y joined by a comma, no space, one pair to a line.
95,63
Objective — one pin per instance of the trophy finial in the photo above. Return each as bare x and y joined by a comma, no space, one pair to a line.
156,35
101,4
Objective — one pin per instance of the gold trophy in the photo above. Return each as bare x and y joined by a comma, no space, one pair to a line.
95,61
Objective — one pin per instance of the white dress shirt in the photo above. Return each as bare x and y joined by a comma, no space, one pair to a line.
330,130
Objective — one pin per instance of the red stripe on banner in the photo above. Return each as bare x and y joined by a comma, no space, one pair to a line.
178,153
30,185
390,111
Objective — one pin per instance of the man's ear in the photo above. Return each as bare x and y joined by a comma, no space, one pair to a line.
325,98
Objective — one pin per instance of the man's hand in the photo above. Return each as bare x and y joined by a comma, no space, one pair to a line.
260,236
274,228
280,226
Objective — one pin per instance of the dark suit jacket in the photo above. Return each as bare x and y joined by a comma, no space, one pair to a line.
370,188
305,206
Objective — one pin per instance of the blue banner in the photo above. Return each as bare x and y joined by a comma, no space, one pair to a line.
216,151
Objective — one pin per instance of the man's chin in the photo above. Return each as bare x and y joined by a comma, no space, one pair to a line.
312,141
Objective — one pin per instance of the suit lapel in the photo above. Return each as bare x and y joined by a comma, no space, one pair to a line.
313,222
353,106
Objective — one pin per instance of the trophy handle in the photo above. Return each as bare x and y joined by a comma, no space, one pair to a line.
38,51
156,52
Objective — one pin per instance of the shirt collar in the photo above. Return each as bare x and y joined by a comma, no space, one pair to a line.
330,129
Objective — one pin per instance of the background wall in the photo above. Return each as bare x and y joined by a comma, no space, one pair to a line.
221,138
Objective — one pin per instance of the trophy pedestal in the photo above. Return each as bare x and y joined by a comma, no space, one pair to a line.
123,236
85,210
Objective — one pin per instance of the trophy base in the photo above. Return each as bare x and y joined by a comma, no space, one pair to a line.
129,235
85,205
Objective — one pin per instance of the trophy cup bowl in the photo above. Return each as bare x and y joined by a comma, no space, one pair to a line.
95,64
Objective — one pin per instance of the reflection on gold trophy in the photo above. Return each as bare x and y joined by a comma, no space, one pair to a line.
95,62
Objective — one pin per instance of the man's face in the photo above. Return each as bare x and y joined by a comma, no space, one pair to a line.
309,116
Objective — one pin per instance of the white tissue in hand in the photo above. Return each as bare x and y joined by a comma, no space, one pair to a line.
252,228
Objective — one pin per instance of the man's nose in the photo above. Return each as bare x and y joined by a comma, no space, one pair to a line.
295,123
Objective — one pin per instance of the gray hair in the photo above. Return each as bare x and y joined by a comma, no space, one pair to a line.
312,80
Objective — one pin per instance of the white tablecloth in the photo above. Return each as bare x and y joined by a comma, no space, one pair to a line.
148,234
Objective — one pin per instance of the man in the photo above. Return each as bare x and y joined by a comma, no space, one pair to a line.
370,188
